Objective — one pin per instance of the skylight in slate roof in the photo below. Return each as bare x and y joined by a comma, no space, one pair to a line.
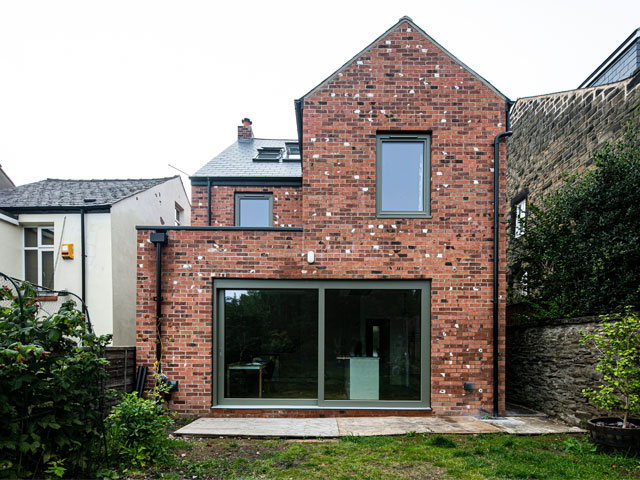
269,154
293,152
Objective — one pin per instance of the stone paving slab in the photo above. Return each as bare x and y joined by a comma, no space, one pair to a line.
262,427
367,426
359,426
531,426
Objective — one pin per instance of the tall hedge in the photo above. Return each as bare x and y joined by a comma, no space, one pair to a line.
580,253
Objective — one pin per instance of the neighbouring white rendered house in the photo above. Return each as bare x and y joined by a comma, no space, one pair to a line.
41,240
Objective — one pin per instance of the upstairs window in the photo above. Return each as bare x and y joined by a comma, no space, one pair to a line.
254,209
520,217
403,176
38,256
179,214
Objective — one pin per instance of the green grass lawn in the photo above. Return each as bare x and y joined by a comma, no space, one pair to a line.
414,456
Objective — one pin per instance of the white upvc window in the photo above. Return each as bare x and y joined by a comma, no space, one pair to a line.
179,213
39,256
520,217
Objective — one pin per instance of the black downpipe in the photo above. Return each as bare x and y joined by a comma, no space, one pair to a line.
496,238
82,261
159,238
209,201
158,304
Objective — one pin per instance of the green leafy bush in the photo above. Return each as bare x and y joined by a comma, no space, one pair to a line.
51,388
617,342
580,253
136,429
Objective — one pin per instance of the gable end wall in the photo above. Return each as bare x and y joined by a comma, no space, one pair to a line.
402,83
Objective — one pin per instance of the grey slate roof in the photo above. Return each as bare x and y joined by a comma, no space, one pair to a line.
71,193
237,161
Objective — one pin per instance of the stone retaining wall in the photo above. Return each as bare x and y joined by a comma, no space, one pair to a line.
547,368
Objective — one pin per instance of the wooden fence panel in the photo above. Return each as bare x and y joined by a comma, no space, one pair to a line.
121,369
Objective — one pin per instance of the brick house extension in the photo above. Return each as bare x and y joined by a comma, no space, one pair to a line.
348,271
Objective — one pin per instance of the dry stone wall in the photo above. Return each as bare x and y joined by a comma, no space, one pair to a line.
547,368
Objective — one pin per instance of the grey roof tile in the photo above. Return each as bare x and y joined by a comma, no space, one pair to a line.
71,193
237,161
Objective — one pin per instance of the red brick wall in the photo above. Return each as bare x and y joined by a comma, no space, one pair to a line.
287,205
403,83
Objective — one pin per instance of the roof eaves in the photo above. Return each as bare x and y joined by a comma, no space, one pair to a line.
387,32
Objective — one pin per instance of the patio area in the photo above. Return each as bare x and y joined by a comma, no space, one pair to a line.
369,426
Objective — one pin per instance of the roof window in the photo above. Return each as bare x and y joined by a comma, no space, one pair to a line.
293,152
269,154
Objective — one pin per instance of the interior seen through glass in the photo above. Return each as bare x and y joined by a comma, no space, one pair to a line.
372,344
371,347
271,343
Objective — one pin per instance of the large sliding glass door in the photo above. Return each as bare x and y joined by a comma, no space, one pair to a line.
340,343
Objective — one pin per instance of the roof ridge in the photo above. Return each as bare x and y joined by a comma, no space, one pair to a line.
102,179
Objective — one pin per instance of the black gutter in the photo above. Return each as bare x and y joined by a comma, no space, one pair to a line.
82,260
59,209
159,238
248,181
166,228
496,239
209,201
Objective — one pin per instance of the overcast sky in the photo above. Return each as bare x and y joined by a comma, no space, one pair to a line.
121,89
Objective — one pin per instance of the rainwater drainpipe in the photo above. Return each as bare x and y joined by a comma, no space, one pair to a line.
209,201
82,261
496,250
159,238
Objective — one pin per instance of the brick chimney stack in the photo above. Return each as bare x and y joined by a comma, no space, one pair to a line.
245,133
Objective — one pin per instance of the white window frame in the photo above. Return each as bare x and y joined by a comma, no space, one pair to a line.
520,217
178,213
40,248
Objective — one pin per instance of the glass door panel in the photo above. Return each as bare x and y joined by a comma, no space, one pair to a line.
270,343
372,344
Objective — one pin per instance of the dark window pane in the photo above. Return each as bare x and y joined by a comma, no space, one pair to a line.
402,173
31,266
47,236
254,212
271,343
372,344
30,237
47,269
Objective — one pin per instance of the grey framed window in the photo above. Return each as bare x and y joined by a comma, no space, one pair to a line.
333,343
39,256
403,175
253,209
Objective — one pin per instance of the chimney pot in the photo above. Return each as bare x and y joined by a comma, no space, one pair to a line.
245,133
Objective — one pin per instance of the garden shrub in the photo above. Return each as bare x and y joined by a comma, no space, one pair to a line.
52,374
136,429
580,253
617,343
